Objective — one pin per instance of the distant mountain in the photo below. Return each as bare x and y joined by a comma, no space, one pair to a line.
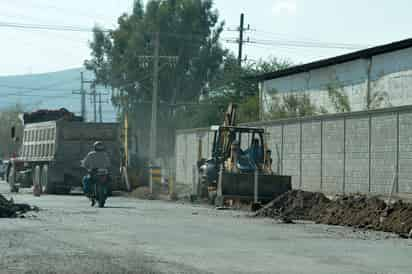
52,91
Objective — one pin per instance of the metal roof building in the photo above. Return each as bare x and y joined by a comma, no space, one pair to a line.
383,72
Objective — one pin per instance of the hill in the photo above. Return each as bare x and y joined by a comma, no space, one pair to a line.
52,91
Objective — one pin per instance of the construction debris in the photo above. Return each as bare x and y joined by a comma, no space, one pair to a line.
295,204
143,193
9,209
359,211
44,115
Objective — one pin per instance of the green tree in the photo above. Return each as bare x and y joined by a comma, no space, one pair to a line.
188,29
240,80
292,105
338,98
377,99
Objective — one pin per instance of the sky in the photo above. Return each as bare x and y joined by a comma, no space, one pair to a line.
280,24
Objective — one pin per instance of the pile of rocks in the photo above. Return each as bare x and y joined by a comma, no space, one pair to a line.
9,209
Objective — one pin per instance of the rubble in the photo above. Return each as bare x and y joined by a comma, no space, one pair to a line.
295,204
44,115
143,193
359,211
9,209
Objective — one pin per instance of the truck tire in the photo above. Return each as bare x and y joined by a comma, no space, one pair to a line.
12,180
46,185
219,201
36,174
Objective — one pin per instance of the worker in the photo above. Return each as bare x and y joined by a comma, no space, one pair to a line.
96,159
268,162
255,152
235,153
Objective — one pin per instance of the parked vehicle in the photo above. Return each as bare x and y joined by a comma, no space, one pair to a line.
51,151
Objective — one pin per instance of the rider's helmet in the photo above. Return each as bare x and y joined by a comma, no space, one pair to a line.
98,146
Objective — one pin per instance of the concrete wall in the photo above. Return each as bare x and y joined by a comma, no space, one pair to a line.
389,73
340,153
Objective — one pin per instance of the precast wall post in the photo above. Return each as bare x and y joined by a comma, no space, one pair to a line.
370,153
300,154
397,152
321,155
344,156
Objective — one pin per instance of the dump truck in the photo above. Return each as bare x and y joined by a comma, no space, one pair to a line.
51,151
235,174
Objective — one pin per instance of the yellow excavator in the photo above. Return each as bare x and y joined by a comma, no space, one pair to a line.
240,166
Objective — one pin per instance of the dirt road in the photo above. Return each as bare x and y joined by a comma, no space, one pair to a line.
135,236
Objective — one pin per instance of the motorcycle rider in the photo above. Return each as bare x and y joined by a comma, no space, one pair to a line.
94,160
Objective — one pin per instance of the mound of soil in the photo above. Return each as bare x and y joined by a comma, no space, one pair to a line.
8,209
357,211
143,193
296,204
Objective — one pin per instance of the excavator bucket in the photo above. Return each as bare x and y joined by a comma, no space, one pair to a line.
242,186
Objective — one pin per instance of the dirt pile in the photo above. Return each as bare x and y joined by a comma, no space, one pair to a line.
143,193
8,209
296,204
357,211
44,115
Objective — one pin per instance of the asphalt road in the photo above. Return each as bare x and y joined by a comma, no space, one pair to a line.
136,236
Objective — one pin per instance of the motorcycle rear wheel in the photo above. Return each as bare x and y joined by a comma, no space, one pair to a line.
101,196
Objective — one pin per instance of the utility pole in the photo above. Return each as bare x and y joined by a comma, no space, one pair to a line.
94,103
83,93
153,124
83,98
241,30
100,108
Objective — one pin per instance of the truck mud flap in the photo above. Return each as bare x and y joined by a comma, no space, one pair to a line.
242,186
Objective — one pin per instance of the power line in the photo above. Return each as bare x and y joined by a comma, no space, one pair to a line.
300,44
48,27
32,89
36,95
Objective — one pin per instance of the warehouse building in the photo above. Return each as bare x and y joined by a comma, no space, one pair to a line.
372,78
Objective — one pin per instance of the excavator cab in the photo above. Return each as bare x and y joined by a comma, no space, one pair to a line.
246,144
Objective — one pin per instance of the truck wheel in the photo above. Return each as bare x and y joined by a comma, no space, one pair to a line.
36,181
12,180
46,186
100,195
36,176
102,199
219,201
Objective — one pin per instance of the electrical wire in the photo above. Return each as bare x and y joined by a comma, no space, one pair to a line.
70,28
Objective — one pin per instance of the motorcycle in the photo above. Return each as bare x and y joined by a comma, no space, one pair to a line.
99,188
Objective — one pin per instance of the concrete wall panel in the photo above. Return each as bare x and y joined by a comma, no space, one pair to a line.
311,156
291,153
383,152
357,155
405,152
333,156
